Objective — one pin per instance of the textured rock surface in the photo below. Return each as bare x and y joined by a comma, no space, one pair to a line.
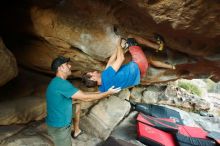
14,111
126,130
106,114
183,98
76,27
38,55
7,131
185,24
37,31
23,99
8,65
208,123
190,27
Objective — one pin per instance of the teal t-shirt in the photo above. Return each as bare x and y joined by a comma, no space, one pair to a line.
59,102
128,75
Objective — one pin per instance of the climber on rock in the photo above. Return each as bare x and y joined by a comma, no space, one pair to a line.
125,75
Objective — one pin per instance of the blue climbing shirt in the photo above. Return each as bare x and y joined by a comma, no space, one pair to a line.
59,102
128,75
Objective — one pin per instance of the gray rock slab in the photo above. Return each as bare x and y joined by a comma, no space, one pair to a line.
104,116
7,131
127,130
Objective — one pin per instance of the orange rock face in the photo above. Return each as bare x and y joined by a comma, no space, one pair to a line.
85,31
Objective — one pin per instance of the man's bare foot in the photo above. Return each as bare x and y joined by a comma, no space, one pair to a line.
77,133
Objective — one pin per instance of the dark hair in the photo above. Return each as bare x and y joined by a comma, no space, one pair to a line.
58,62
87,81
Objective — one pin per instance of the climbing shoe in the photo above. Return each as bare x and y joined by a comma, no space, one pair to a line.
160,41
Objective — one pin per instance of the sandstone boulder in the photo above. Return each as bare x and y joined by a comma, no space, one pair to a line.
8,65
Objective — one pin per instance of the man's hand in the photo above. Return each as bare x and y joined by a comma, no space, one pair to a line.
113,90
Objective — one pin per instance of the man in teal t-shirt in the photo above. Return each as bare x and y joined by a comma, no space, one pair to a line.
58,106
59,96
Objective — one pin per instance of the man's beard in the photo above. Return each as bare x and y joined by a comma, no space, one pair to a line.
68,73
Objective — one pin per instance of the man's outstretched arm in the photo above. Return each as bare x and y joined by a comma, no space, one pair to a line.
90,96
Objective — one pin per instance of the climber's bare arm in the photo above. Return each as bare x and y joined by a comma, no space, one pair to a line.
119,57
